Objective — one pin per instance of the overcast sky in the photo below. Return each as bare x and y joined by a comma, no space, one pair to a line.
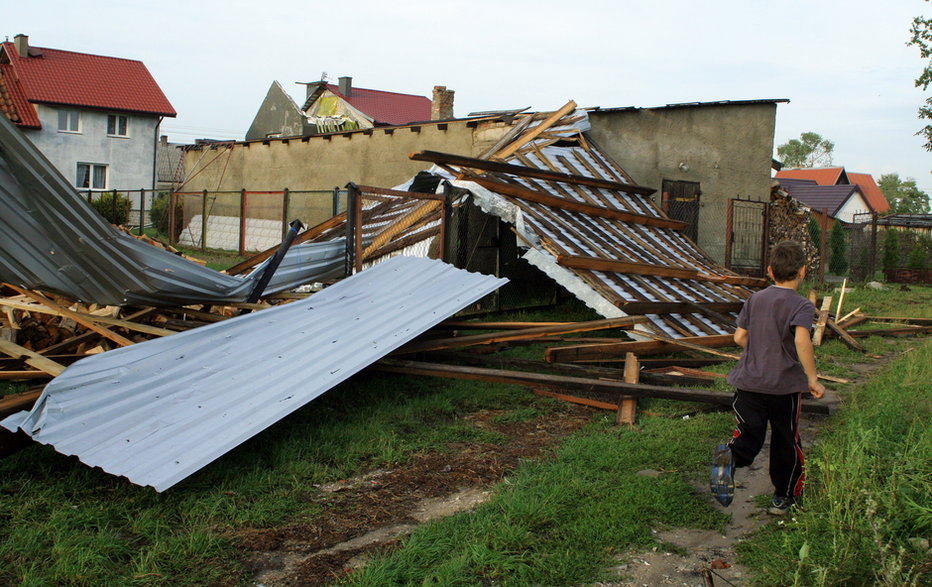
844,66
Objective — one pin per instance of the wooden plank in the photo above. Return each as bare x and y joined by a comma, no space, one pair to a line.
820,324
473,325
593,403
905,331
23,375
713,315
678,307
904,319
31,358
841,298
533,133
83,321
841,320
395,228
576,384
845,337
525,171
303,237
547,199
17,402
849,322
526,333
570,354
599,264
57,310
628,406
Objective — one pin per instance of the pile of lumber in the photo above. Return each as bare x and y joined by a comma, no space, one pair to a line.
789,220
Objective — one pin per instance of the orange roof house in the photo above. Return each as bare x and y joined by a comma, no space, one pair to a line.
838,176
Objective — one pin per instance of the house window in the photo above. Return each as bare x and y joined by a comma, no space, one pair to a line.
92,176
69,121
117,125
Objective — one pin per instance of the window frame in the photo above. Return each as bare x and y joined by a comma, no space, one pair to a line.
116,126
92,175
68,115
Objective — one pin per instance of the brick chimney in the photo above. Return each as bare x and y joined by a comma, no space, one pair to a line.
21,43
346,86
441,107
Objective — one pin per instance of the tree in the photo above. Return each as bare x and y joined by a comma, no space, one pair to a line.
903,195
891,249
838,243
810,150
921,38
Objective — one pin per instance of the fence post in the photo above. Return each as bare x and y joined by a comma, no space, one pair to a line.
172,200
872,260
204,220
242,222
142,210
286,208
90,196
765,241
114,205
351,196
445,216
824,224
336,202
729,231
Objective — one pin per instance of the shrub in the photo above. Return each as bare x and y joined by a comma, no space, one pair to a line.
159,213
815,233
891,249
918,256
114,212
838,244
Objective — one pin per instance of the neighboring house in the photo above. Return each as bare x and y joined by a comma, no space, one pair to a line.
95,118
841,202
169,164
828,176
697,155
332,108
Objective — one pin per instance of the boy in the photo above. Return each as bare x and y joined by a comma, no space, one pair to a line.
777,365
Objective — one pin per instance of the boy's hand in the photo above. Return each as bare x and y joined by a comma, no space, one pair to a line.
816,389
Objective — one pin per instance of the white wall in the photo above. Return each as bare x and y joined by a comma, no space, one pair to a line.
129,160
856,204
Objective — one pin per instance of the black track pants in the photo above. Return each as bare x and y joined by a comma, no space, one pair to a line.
754,411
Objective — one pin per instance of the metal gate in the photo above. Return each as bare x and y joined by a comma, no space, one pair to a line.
747,227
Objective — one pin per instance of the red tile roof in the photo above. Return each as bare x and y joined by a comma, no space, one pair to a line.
871,190
81,79
387,107
822,176
13,101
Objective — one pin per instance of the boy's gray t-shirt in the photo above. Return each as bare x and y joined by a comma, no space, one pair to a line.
769,363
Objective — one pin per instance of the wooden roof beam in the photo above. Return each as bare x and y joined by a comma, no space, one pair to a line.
600,264
524,171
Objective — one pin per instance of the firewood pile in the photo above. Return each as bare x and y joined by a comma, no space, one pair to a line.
789,220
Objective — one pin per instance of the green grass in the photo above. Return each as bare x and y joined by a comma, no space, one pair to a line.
869,498
560,521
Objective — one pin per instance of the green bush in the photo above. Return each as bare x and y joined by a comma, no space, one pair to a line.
815,233
114,212
918,256
159,213
891,249
838,244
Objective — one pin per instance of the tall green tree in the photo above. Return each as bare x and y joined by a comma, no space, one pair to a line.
921,38
903,195
838,244
809,150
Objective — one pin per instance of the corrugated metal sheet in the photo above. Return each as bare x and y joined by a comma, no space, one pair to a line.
51,239
158,411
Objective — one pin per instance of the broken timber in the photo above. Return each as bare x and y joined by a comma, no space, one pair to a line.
611,265
616,351
577,384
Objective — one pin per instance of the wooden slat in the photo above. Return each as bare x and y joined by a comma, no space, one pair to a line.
526,138
845,337
54,309
526,171
611,265
573,206
396,228
574,384
17,402
820,324
569,354
31,358
678,307
584,401
628,406
526,333
23,375
905,319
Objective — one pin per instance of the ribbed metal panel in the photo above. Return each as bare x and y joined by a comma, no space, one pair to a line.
158,411
51,239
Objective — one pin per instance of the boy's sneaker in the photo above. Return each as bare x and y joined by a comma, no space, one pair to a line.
722,481
780,505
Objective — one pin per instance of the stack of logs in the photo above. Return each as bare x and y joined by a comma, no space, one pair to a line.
789,220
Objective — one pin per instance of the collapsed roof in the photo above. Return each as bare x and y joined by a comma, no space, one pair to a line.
583,222
53,240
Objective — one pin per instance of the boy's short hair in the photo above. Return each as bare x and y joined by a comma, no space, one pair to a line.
786,259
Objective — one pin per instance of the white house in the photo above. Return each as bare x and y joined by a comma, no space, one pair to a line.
95,118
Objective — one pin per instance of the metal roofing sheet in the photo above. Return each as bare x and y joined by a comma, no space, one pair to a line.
158,411
51,239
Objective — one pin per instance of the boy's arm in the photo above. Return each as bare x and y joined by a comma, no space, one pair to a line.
741,338
807,358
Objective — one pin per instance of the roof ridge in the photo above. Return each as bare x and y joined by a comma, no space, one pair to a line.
43,49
